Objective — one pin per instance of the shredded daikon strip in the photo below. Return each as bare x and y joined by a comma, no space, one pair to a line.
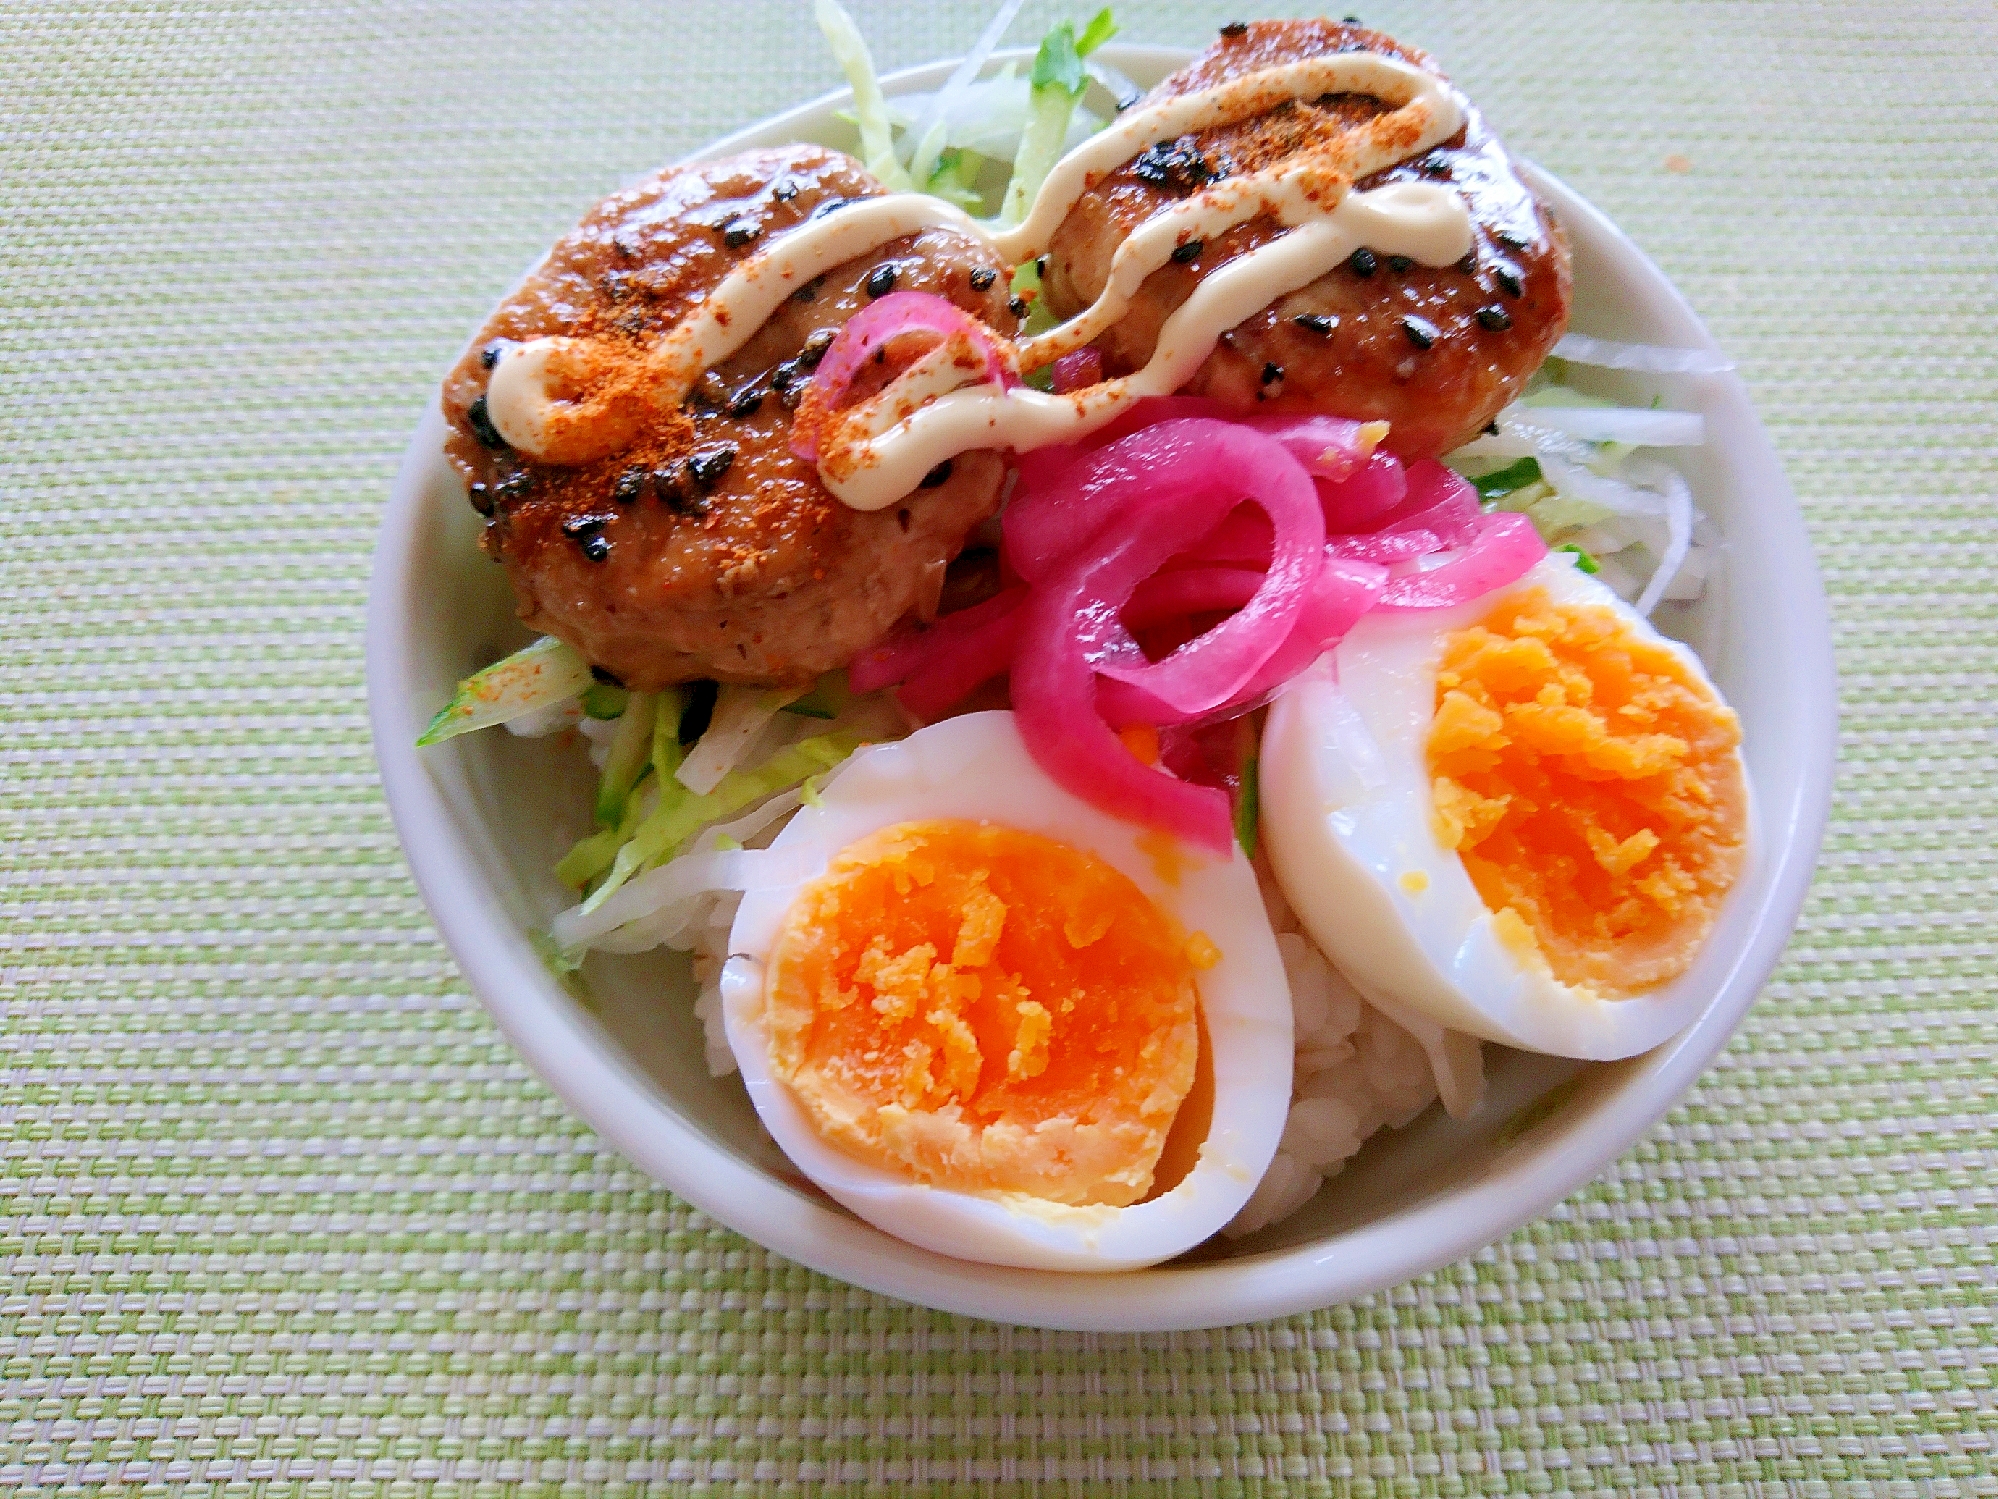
1629,425
930,130
1674,505
741,714
1662,359
658,891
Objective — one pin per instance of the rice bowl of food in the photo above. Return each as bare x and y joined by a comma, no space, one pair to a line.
1180,694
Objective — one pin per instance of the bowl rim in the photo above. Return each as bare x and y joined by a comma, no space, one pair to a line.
581,1062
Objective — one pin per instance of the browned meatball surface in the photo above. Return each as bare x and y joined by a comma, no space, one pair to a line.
1434,352
706,549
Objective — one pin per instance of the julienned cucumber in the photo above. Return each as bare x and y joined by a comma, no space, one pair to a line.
630,752
533,677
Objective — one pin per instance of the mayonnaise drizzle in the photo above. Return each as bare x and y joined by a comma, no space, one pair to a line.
880,450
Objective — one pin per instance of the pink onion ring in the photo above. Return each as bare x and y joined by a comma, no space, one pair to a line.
978,653
1076,369
1175,479
1438,501
1054,704
1343,591
1359,501
1503,551
869,330
917,647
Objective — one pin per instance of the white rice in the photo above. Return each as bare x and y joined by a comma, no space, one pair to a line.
1356,1073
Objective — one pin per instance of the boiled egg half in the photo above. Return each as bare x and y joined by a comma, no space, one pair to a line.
1519,817
1000,1024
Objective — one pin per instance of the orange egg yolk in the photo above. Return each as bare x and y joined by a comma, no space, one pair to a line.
987,1010
1591,782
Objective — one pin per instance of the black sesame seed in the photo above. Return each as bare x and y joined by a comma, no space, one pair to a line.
582,525
490,354
1512,240
1510,281
1421,332
740,233
815,348
1354,21
745,401
596,546
1495,318
1272,372
982,277
1174,167
629,486
604,676
1491,429
791,383
1469,264
709,464
482,424
1362,262
1041,268
1187,253
670,484
1400,264
806,292
881,355
1234,29
937,476
881,280
1017,306
514,486
481,498
1315,322
830,205
784,189
1435,166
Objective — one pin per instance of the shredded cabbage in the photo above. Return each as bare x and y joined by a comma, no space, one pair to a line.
543,678
870,106
681,813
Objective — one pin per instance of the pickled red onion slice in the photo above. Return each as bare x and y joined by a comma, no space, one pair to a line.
1360,501
1053,701
1174,480
1097,538
918,648
1077,368
1330,448
1343,591
1501,551
869,330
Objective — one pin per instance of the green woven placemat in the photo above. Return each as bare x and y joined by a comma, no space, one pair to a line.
279,1210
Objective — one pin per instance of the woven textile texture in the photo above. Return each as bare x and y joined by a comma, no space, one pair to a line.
281,1212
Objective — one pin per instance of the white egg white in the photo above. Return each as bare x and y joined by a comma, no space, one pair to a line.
1346,798
976,767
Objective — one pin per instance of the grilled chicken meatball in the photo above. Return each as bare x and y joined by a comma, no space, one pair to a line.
705,548
1435,352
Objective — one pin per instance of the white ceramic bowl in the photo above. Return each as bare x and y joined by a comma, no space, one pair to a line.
483,818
